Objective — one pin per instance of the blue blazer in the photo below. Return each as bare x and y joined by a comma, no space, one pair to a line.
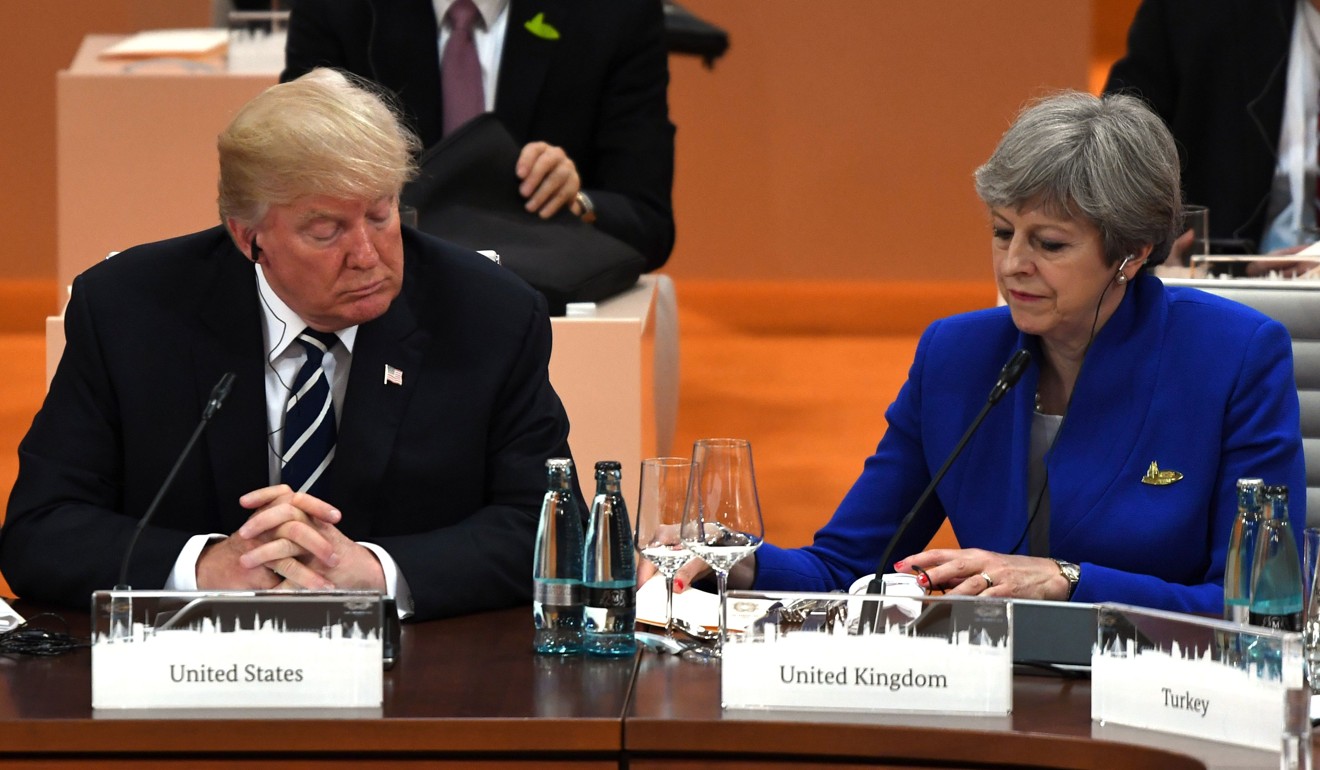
1193,382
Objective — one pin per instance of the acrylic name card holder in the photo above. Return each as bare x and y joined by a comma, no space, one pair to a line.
1193,676
916,654
278,649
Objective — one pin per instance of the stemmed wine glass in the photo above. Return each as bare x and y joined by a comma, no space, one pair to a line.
722,519
664,488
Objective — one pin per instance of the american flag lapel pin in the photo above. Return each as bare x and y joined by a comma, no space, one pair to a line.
393,376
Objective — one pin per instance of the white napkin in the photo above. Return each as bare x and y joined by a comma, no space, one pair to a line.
699,609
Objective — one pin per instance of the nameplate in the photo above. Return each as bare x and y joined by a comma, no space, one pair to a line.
1192,676
236,650
944,655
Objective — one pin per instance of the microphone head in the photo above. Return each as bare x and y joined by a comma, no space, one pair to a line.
1010,374
218,395
1012,371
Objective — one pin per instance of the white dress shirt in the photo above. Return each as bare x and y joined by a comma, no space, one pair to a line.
1291,213
280,326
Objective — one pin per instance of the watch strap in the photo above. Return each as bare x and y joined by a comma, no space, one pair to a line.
588,209
1072,573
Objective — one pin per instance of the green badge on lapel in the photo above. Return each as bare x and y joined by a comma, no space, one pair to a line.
538,27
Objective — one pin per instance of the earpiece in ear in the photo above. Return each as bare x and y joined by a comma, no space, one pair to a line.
255,249
1120,278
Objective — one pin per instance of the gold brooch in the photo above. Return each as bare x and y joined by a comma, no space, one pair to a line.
1158,478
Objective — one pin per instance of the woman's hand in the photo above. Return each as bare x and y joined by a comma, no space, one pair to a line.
740,577
974,572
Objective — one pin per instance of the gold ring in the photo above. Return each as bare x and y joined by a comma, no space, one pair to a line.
989,582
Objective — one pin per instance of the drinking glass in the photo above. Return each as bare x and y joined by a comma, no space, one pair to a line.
1197,219
722,518
664,488
1311,627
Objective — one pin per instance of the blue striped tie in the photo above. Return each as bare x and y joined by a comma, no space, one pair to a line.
309,419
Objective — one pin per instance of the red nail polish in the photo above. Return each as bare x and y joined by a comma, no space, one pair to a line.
679,585
898,566
922,579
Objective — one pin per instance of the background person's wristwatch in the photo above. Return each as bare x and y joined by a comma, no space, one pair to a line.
1072,573
587,210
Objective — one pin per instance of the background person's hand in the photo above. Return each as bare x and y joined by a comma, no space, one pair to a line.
1284,267
549,179
1180,251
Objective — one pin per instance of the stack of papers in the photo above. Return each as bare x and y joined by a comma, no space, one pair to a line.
192,43
700,609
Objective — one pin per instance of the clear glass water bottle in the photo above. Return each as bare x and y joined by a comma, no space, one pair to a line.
1276,581
611,569
557,565
1242,551
1297,753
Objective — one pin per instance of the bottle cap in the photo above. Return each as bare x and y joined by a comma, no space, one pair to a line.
608,465
559,464
1249,483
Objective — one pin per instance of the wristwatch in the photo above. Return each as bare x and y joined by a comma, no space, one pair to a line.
588,210
1071,572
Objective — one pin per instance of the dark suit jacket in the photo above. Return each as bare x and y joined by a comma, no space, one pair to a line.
1216,71
599,91
445,472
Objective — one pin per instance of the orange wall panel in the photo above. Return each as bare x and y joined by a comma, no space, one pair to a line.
837,140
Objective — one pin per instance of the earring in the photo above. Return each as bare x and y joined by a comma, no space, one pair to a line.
1121,279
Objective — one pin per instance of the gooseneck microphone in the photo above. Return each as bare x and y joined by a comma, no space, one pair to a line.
213,404
1008,377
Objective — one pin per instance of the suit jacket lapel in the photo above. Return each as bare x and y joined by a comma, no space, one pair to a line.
525,60
405,54
229,340
1109,406
1269,71
1020,499
373,411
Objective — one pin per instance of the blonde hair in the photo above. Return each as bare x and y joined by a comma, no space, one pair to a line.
322,134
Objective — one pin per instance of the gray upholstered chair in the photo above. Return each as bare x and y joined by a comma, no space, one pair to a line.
1296,304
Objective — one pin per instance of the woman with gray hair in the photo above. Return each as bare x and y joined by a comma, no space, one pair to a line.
1109,472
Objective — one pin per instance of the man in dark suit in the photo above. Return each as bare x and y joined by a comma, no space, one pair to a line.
1217,72
581,83
435,380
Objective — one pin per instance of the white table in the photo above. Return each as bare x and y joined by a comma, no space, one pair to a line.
135,150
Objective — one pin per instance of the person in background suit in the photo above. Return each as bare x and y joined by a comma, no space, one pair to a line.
433,372
1109,473
581,83
1236,81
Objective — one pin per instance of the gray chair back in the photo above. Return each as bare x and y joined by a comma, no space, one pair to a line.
1295,304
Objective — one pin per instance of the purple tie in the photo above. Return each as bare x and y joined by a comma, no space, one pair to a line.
460,70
